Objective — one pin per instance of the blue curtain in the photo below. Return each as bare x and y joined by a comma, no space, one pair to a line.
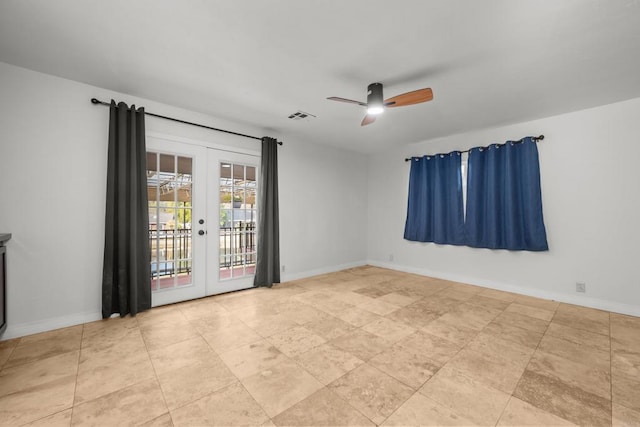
504,202
434,208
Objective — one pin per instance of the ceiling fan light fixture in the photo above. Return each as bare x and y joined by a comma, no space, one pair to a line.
375,109
375,100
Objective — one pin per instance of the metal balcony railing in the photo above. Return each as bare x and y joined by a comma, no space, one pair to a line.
171,250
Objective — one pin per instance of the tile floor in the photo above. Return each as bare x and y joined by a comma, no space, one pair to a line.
359,347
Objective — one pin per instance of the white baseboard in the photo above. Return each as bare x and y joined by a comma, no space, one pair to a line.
288,277
600,304
29,328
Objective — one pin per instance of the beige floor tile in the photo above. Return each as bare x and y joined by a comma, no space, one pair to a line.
352,298
201,308
461,287
496,294
437,303
372,392
407,366
164,334
272,324
214,324
546,304
563,400
130,343
47,344
161,316
281,386
414,315
580,337
295,341
251,358
357,317
499,349
39,373
106,373
514,334
334,307
106,327
626,391
433,347
328,363
536,312
449,328
625,417
372,291
419,410
590,379
460,296
466,397
163,420
522,321
585,354
303,313
6,348
100,336
329,327
584,318
254,314
458,344
472,316
399,299
624,361
519,413
185,353
323,408
379,307
626,331
129,406
501,374
488,302
59,419
361,344
34,403
186,384
230,406
234,336
388,329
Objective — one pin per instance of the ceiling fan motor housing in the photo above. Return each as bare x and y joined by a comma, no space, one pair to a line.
374,94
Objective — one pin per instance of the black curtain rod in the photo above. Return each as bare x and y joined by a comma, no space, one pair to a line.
535,139
97,101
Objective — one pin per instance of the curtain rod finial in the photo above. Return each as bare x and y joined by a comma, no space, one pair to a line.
94,101
540,138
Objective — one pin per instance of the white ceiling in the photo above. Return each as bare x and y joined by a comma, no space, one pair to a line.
489,62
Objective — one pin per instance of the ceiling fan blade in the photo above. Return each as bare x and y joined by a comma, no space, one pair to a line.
348,101
368,119
410,98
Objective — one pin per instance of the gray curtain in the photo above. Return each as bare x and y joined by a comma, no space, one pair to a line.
268,256
126,276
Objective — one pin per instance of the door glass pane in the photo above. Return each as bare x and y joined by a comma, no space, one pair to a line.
169,187
238,215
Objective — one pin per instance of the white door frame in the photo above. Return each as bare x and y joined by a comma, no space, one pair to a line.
215,157
207,157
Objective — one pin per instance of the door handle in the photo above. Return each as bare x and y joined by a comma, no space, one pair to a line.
201,232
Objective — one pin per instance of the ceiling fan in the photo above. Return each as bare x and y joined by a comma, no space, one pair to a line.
376,105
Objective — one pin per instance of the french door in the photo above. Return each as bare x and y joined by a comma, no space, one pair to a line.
202,220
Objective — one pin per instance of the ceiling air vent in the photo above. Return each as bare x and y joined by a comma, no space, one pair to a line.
301,115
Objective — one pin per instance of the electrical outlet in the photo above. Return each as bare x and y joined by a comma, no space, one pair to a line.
391,257
581,287
282,268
